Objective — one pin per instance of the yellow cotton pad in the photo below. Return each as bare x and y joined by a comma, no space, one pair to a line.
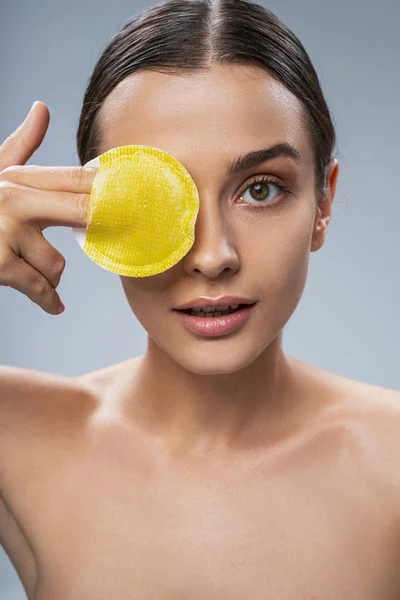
142,211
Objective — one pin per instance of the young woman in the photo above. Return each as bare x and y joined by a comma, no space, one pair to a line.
213,466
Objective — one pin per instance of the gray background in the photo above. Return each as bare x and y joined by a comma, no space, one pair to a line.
347,321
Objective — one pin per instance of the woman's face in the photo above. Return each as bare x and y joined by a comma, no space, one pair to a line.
207,121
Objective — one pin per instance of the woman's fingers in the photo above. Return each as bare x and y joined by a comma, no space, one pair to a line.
58,179
43,208
22,143
33,247
31,199
18,274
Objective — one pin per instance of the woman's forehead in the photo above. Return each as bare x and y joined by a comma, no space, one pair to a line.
218,108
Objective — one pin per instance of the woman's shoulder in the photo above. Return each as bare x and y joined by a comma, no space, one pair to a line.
41,416
363,419
365,400
355,412
29,395
344,394
33,401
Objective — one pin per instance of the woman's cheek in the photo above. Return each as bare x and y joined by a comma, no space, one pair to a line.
279,263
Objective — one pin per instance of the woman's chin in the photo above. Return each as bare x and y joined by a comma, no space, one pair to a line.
214,362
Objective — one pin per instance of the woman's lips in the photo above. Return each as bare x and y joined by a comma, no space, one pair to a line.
215,326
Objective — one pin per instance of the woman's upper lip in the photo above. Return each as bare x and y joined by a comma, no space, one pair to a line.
205,302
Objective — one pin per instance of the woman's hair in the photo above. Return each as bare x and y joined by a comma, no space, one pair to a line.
178,36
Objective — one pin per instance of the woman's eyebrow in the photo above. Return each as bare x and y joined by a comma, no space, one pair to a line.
256,157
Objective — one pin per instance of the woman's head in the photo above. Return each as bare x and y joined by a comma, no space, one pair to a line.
209,82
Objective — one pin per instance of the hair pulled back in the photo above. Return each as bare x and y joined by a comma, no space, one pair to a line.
181,36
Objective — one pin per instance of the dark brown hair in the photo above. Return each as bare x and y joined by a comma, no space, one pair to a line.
181,36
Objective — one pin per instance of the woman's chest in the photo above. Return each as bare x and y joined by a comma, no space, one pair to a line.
287,533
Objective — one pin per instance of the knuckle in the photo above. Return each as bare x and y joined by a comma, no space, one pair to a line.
58,263
77,176
10,172
40,286
7,192
7,258
8,227
82,203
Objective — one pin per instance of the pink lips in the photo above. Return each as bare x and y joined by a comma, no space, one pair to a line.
215,326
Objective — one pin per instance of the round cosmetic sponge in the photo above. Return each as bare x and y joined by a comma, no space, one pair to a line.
142,211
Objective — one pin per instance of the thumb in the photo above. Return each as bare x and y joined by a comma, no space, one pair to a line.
26,139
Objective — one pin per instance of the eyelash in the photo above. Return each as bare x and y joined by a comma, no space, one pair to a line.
264,179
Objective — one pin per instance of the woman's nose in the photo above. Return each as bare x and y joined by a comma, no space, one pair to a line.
214,250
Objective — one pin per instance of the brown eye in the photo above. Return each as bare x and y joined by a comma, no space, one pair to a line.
261,191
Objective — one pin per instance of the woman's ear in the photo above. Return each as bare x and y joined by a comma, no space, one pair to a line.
324,209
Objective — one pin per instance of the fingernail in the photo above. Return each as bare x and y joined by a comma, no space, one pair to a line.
60,308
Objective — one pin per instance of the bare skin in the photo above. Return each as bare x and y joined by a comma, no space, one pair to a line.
203,469
92,508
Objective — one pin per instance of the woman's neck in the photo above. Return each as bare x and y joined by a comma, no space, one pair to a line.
215,413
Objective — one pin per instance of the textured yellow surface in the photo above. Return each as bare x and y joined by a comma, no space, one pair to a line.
142,211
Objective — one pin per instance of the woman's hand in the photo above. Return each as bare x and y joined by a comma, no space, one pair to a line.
31,199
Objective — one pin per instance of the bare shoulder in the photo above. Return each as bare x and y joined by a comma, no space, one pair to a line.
374,406
366,419
378,422
28,393
42,417
35,404
377,413
363,418
37,411
356,400
371,410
